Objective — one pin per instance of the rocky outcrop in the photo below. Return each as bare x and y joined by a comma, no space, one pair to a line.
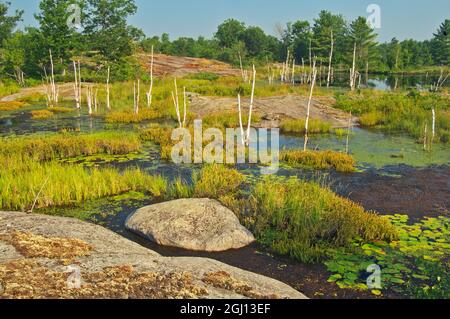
36,251
193,224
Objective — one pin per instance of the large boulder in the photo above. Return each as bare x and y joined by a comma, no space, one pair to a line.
38,252
193,224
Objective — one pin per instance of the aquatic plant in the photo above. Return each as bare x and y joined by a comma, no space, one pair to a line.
322,160
414,265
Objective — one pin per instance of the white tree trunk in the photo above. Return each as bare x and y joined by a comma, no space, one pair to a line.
150,91
308,111
251,105
330,60
108,103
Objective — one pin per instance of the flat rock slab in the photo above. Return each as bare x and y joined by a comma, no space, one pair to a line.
111,250
192,224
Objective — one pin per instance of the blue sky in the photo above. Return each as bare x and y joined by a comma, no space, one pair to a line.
403,19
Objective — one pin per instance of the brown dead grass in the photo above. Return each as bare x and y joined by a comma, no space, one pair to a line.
27,279
34,246
224,280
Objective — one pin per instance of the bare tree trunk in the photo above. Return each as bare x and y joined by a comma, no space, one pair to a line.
240,120
433,125
293,72
308,111
330,60
149,93
52,91
176,103
137,96
108,105
96,100
89,99
241,66
310,61
251,105
80,89
185,106
75,86
353,70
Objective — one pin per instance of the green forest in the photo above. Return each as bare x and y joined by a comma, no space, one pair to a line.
107,39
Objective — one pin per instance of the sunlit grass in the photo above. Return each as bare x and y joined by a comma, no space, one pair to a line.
322,160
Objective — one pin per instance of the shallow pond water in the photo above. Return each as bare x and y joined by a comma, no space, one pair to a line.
396,176
392,81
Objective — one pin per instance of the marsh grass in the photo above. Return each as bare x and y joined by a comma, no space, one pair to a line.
298,127
41,114
399,111
67,185
216,181
322,160
304,219
12,106
66,145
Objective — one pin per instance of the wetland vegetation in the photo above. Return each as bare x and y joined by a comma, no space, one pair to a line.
99,148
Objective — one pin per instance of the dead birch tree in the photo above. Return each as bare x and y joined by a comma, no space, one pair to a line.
246,134
89,98
330,60
353,73
241,66
76,86
308,110
150,90
137,97
440,82
51,88
176,104
433,128
108,103
293,72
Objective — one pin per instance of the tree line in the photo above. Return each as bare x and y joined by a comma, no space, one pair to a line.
107,39
302,38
